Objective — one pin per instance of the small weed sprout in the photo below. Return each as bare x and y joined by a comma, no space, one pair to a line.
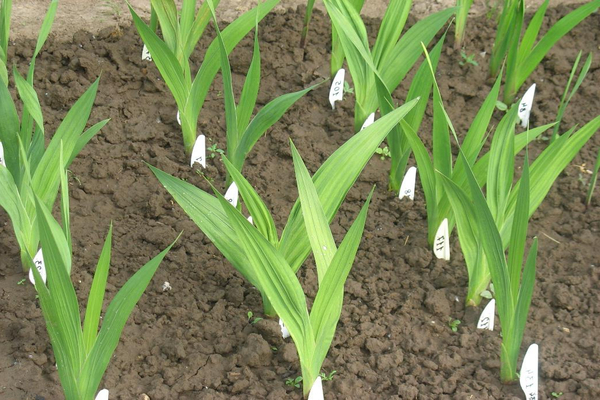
347,88
556,395
327,377
253,321
467,59
383,152
453,324
294,382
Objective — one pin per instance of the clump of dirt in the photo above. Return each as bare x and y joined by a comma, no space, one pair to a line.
393,339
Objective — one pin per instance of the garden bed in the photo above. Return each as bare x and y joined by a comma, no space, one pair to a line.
393,340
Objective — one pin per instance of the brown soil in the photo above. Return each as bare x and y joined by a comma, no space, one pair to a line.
393,340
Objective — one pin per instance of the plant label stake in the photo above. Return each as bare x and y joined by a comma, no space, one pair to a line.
336,92
529,373
2,161
250,219
316,391
284,331
231,195
525,106
407,189
178,118
441,245
370,119
38,261
486,320
146,54
102,395
199,152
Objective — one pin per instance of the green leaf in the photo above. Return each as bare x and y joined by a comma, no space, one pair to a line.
29,98
264,119
315,220
256,207
96,296
326,309
46,178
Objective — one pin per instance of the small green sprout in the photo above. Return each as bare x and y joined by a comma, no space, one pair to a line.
294,382
347,88
383,152
467,59
214,150
253,320
453,324
21,282
556,395
327,377
501,106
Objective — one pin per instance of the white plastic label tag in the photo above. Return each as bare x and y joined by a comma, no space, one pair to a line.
146,54
370,119
250,220
336,92
407,189
441,245
486,320
102,395
178,118
528,377
2,160
316,391
284,331
525,106
38,261
199,152
231,195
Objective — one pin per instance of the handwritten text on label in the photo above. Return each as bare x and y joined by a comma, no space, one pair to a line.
525,106
407,189
199,152
441,245
528,377
231,195
486,320
38,261
336,92
146,54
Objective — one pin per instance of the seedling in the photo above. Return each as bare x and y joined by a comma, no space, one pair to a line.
347,88
22,281
214,151
253,320
327,377
392,55
556,395
28,168
453,324
383,152
467,59
181,32
523,54
242,132
294,382
82,353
